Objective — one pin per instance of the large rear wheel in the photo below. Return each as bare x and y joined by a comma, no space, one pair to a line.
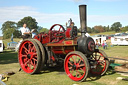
76,66
29,56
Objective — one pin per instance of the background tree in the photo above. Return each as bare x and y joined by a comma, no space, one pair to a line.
116,26
106,28
98,29
124,29
8,33
8,24
89,30
31,22
17,34
93,30
8,28
45,30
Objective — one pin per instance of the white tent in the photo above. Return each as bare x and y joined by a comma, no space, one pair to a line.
119,40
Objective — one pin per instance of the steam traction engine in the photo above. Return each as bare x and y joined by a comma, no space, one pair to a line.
60,46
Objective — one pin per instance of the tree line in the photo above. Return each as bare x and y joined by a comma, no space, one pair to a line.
116,26
10,27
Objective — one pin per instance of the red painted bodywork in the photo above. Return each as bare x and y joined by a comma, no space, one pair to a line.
67,33
57,40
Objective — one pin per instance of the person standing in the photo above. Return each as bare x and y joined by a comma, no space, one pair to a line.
105,43
97,44
25,32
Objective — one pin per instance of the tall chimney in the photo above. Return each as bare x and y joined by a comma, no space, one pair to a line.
83,19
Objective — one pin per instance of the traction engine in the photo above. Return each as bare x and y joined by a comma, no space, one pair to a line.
63,47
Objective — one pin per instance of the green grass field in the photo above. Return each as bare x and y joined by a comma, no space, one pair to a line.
9,62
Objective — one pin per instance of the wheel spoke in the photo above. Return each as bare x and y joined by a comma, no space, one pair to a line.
81,65
72,71
79,61
76,74
59,29
34,59
26,59
29,47
32,49
32,63
79,73
34,54
101,63
24,56
95,56
82,69
25,64
26,50
69,68
29,66
70,63
73,60
99,57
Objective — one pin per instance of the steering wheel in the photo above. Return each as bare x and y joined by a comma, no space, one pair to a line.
56,32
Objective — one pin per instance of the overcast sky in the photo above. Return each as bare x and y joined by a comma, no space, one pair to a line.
49,12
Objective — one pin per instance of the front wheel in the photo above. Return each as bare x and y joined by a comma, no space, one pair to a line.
76,66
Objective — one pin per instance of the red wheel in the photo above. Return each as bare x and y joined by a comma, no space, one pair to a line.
29,56
76,66
99,63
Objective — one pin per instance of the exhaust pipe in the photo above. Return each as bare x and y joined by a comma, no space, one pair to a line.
83,19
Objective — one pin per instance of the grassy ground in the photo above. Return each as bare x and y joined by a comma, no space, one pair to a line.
9,62
116,51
